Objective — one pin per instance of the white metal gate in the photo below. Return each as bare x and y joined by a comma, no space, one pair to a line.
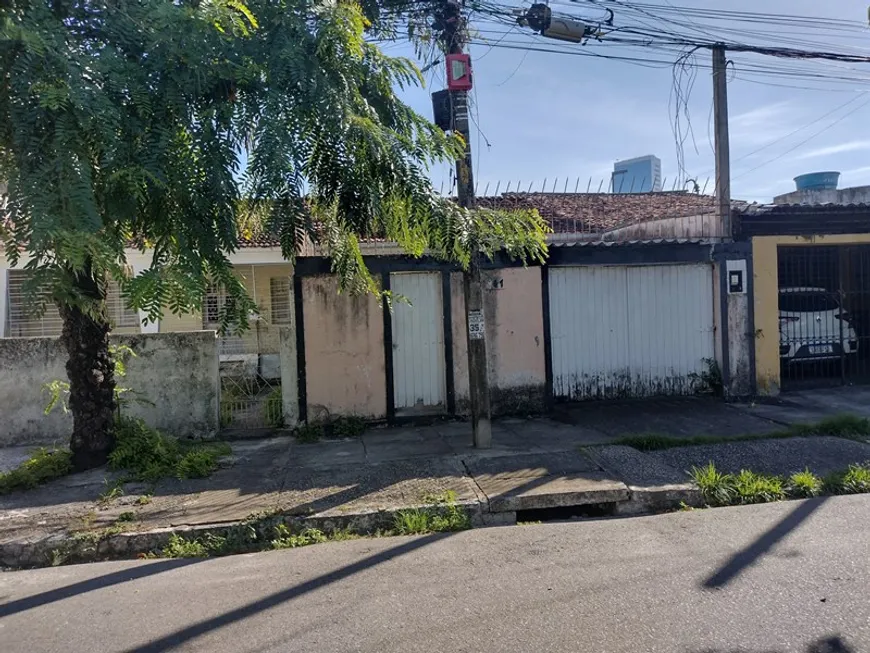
630,331
418,343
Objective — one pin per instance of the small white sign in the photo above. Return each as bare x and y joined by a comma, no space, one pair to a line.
475,325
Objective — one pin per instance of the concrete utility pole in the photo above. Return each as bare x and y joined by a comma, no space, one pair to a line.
453,36
723,147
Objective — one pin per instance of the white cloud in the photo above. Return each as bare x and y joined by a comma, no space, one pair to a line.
850,146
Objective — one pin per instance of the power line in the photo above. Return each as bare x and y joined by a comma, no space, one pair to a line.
804,142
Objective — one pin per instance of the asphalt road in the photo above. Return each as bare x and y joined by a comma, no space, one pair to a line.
786,577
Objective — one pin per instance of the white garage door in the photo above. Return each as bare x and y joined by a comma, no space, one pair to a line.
630,331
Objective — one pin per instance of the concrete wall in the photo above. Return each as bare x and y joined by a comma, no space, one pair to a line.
177,372
766,298
515,340
344,351
854,195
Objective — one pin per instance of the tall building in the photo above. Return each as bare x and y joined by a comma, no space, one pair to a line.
640,175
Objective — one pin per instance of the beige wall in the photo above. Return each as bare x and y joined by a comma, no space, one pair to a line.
766,280
344,351
515,339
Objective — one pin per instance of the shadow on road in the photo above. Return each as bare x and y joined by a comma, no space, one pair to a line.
750,555
91,585
834,644
179,637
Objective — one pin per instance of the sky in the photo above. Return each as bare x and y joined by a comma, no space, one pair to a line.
552,116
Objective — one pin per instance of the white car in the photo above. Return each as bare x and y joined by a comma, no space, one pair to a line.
812,326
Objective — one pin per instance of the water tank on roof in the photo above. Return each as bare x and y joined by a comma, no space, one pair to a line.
817,181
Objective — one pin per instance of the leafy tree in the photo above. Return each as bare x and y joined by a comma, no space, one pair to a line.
122,123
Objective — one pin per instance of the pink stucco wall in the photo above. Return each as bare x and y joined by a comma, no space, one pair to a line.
515,337
344,352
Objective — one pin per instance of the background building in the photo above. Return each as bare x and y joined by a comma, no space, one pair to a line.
640,175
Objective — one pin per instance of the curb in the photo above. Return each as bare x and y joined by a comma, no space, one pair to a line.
94,546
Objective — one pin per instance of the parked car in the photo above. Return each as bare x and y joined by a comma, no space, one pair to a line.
813,326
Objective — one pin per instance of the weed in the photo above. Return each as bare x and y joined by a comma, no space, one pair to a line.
804,484
43,466
685,507
529,523
441,515
179,547
112,492
200,462
310,432
855,480
127,516
750,487
716,487
349,426
150,455
274,407
144,500
285,539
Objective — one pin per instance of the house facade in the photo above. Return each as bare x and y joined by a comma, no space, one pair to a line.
811,299
636,299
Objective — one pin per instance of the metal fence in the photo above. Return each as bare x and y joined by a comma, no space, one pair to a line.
824,314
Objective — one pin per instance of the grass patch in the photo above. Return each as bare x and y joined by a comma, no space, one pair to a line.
43,466
750,487
149,455
804,485
144,500
722,489
842,426
126,517
441,515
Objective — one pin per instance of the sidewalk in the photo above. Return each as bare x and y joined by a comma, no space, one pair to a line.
569,460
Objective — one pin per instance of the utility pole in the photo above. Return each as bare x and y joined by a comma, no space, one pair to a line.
723,147
453,36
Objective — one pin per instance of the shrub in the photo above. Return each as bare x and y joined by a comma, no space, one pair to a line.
716,487
855,480
43,465
150,455
804,485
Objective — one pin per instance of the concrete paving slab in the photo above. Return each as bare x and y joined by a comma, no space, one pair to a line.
821,455
807,406
677,416
514,493
349,488
532,465
327,453
378,451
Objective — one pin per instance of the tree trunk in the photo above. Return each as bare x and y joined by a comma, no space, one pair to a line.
91,375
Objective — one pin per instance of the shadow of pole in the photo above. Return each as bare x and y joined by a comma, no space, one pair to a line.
191,632
92,584
750,555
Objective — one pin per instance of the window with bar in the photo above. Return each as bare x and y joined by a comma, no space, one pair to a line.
279,289
23,320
